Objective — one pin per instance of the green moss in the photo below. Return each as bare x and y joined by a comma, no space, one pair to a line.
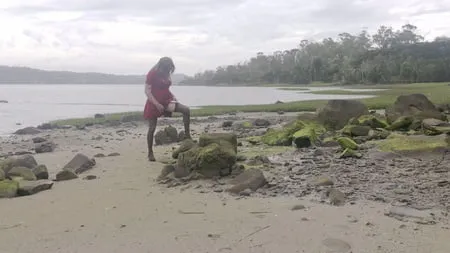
372,121
218,138
308,135
254,140
401,123
346,142
352,130
25,173
397,142
8,188
184,146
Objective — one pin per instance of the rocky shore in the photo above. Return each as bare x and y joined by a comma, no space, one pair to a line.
340,157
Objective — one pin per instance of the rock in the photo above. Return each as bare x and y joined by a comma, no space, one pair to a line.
308,135
114,154
336,245
40,172
65,175
279,102
323,181
166,136
414,105
241,125
99,155
27,161
28,131
354,130
378,134
46,126
400,213
166,170
8,188
435,126
298,207
22,172
261,123
227,124
3,101
284,136
79,164
32,187
346,142
181,136
38,140
252,179
184,146
336,197
90,177
45,147
258,160
280,112
131,118
215,156
347,153
401,123
99,116
372,121
218,138
336,113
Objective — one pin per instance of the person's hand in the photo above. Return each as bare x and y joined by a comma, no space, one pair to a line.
159,107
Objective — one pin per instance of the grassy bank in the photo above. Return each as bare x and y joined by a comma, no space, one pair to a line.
436,92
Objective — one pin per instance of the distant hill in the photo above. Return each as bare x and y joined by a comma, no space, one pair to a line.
25,75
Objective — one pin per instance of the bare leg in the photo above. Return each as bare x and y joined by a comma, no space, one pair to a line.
186,118
151,131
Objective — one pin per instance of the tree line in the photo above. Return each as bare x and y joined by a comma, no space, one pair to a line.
388,56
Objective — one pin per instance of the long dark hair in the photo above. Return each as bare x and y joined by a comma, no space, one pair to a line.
165,65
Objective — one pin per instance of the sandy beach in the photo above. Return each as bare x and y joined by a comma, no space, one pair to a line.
124,209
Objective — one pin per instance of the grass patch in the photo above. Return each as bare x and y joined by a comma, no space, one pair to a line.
397,142
437,92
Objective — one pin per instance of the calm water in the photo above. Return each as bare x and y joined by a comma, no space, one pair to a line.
31,105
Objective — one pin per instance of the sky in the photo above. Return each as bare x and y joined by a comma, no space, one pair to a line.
128,37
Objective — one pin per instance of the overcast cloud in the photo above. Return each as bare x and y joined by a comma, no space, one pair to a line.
118,36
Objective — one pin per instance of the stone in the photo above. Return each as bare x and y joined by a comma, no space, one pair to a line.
90,177
3,101
218,138
166,136
337,113
252,179
79,164
258,160
184,146
400,213
373,121
99,155
336,197
99,116
27,161
23,172
166,170
308,135
227,124
413,105
261,123
336,245
323,181
46,126
298,207
283,136
65,175
354,130
32,187
347,153
38,140
401,123
41,172
435,126
114,154
346,142
45,147
8,188
28,131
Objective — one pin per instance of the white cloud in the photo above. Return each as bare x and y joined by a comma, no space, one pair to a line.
129,36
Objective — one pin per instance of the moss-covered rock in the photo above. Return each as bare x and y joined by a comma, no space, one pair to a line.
379,134
307,136
41,172
372,121
218,138
283,136
336,113
167,135
347,143
184,146
435,126
26,161
353,130
8,188
401,123
412,105
23,172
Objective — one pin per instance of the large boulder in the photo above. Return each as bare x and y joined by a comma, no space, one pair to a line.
26,161
336,113
79,164
214,156
414,105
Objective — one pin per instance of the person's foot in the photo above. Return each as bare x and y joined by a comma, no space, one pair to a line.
151,157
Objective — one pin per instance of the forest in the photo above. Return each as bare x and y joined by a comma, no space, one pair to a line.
386,57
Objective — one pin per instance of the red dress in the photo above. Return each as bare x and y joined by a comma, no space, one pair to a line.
159,87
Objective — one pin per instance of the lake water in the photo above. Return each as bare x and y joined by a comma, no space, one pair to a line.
31,105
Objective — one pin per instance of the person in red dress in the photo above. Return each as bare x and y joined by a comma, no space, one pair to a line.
160,101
